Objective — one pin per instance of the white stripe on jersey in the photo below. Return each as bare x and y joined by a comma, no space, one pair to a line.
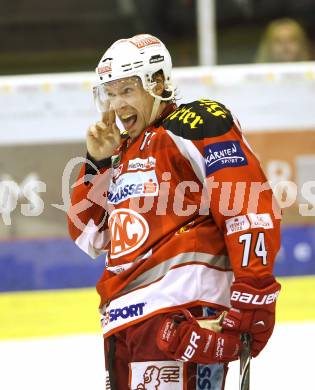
91,241
191,153
159,270
185,284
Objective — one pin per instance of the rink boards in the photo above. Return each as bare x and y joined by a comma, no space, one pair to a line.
40,264
74,311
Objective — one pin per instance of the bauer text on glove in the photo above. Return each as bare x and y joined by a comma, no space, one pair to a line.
187,341
253,310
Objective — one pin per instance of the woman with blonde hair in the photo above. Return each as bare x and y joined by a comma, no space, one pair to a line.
284,40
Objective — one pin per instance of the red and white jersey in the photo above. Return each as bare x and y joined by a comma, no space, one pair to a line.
180,212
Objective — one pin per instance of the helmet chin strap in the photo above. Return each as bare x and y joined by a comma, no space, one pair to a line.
158,99
155,108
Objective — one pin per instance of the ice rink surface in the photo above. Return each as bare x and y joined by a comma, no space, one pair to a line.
76,362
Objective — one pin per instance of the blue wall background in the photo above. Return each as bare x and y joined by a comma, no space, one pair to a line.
58,263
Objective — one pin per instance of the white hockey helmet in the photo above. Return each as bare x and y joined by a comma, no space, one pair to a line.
142,56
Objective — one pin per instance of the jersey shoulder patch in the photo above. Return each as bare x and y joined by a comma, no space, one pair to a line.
200,119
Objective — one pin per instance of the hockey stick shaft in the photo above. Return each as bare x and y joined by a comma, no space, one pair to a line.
245,363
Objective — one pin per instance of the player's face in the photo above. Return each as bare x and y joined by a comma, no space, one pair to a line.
131,103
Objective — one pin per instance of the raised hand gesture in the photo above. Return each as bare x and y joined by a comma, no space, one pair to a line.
103,138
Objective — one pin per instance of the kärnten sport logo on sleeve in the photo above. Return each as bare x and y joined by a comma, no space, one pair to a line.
222,155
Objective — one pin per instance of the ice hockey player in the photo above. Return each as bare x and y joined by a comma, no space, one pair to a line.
178,204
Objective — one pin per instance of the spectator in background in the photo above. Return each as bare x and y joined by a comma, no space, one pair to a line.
284,40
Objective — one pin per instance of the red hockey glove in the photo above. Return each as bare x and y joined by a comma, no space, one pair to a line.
253,311
181,338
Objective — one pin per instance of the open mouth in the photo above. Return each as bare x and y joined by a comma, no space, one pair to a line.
128,120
